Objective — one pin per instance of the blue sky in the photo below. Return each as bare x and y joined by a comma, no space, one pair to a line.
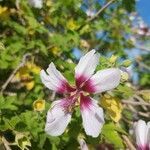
143,8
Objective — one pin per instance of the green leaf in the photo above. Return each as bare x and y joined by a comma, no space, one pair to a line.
17,27
42,139
41,46
7,103
111,135
124,91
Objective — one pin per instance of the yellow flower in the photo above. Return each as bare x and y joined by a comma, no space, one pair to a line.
72,25
49,3
3,9
112,106
55,50
25,74
4,13
13,11
39,105
33,68
31,31
29,85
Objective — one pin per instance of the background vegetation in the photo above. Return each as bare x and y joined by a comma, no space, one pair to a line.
61,31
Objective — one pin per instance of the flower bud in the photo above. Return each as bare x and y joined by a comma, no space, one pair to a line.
113,59
124,76
39,105
126,63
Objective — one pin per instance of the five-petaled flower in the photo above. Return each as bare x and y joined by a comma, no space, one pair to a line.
142,134
59,115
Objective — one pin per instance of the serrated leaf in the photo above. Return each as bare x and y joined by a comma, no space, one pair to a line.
110,134
7,103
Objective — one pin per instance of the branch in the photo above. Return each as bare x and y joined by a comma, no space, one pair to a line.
102,9
14,72
142,48
140,100
128,142
6,144
17,4
53,96
97,14
147,115
143,114
142,65
135,103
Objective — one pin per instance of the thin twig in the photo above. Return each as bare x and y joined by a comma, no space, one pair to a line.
97,14
140,100
131,108
17,4
135,103
142,48
10,93
147,115
102,9
53,96
142,65
14,72
141,91
128,142
6,144
127,121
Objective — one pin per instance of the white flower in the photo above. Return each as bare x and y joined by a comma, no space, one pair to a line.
59,115
142,133
90,13
36,3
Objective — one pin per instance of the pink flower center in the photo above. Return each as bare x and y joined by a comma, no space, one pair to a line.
143,147
85,84
83,87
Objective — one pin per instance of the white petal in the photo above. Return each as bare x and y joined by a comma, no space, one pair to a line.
47,81
148,134
55,80
140,130
55,74
105,80
86,66
36,3
92,116
57,119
